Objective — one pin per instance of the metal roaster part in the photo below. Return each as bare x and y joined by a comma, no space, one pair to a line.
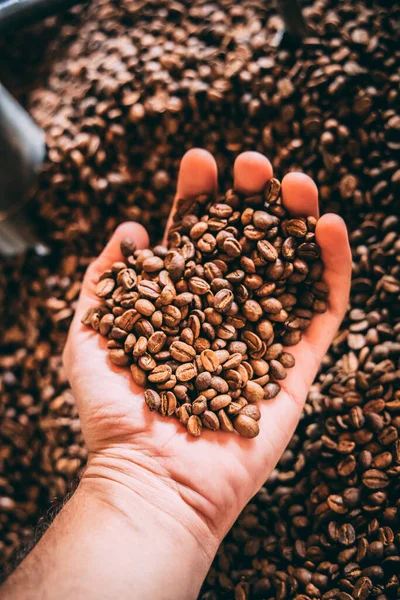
22,151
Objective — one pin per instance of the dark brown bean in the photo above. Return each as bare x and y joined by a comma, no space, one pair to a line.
246,426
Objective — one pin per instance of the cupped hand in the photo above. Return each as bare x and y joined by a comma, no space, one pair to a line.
206,481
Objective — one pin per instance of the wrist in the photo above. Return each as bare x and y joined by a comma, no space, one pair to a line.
152,510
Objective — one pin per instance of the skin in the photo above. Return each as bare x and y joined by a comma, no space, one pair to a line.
154,504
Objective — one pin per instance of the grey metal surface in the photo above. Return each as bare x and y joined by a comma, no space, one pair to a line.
16,237
290,11
22,151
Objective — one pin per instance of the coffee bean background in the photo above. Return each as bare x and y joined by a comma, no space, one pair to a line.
122,90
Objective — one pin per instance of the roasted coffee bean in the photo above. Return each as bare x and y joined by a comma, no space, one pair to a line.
246,426
217,383
160,374
223,300
119,358
271,390
287,360
220,401
175,264
199,286
105,287
182,352
277,370
128,319
146,362
375,479
232,247
194,426
199,405
186,372
267,251
203,381
172,316
234,360
252,310
263,220
209,360
156,342
106,324
149,289
296,228
291,338
253,392
251,410
152,399
168,403
183,414
140,346
139,375
145,307
210,420
129,343
272,190
153,264
127,279
127,246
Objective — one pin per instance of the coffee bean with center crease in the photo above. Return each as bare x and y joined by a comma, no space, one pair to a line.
223,300
156,342
186,372
210,420
194,426
375,479
209,360
160,374
105,287
182,352
152,399
296,228
267,251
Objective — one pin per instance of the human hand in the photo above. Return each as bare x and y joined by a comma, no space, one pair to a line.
199,484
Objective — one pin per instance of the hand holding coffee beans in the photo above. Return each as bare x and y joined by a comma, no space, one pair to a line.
203,322
212,368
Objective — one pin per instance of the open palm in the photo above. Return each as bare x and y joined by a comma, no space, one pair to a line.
217,473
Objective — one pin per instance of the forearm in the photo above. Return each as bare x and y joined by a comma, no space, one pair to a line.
99,547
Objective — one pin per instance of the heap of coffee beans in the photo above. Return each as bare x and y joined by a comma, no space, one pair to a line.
122,89
204,320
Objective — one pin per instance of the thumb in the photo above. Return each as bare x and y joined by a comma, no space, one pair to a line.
110,254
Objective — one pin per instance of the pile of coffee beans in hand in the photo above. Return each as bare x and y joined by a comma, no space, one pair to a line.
204,321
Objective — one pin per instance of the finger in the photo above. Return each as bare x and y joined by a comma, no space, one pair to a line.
280,416
112,253
300,195
331,234
332,237
251,172
198,175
